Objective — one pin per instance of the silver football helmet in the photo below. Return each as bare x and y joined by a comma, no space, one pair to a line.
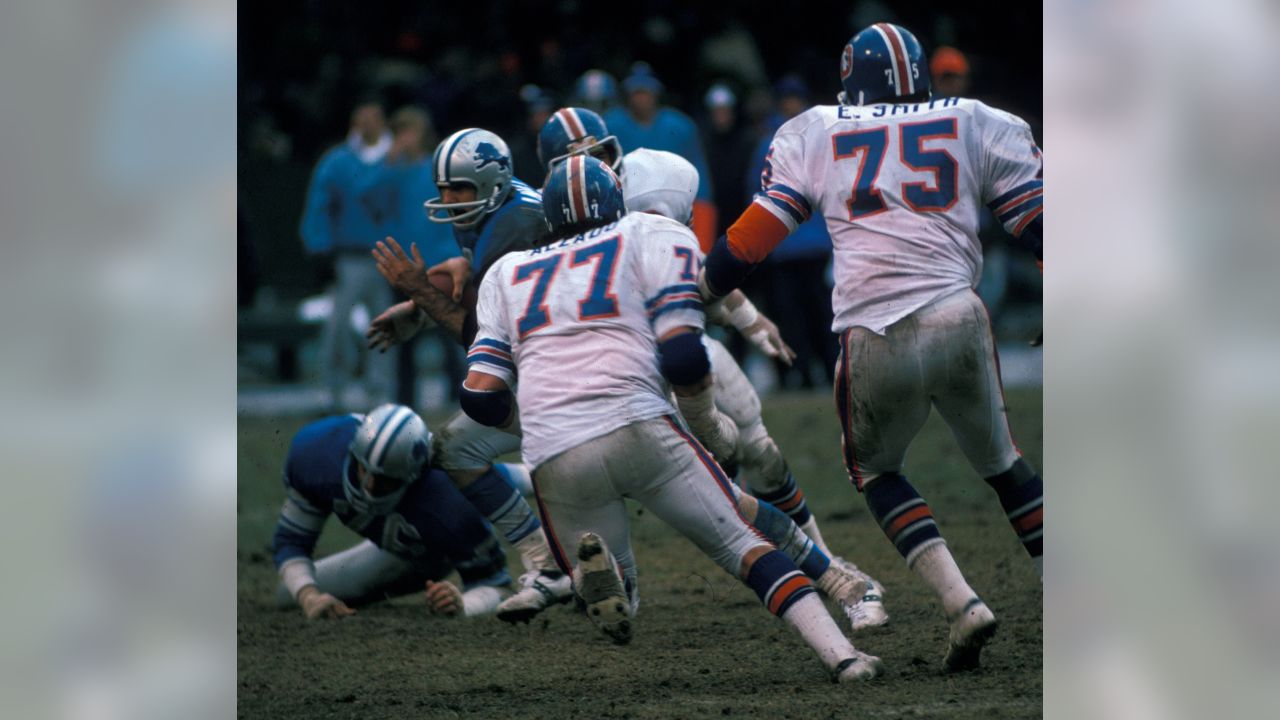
393,442
472,157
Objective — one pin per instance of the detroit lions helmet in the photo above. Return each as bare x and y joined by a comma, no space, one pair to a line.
393,442
472,157
881,63
573,130
581,193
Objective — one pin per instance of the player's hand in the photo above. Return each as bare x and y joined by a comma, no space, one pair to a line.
766,337
404,273
317,605
444,598
395,325
459,271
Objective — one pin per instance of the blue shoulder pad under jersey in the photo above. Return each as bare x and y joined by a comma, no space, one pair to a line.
518,225
318,457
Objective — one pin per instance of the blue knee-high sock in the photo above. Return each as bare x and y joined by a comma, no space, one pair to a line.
503,505
778,582
789,499
517,476
790,539
1021,494
903,515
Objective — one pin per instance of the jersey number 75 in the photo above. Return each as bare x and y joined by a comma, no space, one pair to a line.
868,146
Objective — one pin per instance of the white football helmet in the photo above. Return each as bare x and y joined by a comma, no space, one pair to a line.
656,181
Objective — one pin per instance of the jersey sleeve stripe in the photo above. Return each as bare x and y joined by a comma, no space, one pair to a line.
693,304
1022,225
484,358
787,205
1006,207
489,342
1015,192
1014,211
491,352
798,199
785,214
669,290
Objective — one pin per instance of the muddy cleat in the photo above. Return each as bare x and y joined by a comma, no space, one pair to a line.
598,582
867,609
857,668
970,631
539,590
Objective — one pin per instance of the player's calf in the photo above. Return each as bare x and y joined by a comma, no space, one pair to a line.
1021,493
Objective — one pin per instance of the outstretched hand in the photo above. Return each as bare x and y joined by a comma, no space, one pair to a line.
403,272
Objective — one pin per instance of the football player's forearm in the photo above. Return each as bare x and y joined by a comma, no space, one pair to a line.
440,308
746,244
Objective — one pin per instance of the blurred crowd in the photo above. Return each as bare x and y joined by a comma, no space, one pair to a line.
365,93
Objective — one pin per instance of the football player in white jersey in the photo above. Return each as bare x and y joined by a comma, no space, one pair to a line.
572,131
900,180
592,329
663,183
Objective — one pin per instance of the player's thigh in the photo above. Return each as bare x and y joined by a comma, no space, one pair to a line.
361,573
676,479
735,396
880,397
965,381
574,496
464,444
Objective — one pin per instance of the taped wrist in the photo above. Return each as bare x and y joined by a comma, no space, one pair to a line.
297,573
487,407
744,316
683,360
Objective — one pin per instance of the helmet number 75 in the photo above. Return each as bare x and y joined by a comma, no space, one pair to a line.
868,148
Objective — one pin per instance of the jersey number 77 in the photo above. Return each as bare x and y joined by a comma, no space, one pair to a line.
868,147
600,301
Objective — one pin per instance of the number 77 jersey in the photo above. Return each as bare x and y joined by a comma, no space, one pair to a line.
901,188
573,327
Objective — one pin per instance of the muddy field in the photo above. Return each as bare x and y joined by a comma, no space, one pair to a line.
703,645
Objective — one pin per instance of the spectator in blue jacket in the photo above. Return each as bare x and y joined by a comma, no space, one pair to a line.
643,123
339,227
797,293
396,189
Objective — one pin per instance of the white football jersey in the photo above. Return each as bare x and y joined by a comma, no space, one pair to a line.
901,188
573,326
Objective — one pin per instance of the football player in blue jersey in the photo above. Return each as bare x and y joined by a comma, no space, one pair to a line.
374,473
492,213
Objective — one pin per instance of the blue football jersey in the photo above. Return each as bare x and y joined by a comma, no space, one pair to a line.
432,518
517,225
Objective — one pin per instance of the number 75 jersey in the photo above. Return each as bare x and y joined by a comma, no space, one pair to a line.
901,188
573,326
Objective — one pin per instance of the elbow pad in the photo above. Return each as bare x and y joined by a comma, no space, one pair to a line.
487,407
683,360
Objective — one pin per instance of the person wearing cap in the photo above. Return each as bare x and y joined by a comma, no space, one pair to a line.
643,123
796,290
595,90
950,71
729,147
524,147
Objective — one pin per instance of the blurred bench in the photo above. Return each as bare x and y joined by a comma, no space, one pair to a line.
280,329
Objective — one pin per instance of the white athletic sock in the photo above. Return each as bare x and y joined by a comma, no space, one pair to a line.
936,567
810,618
535,553
810,528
